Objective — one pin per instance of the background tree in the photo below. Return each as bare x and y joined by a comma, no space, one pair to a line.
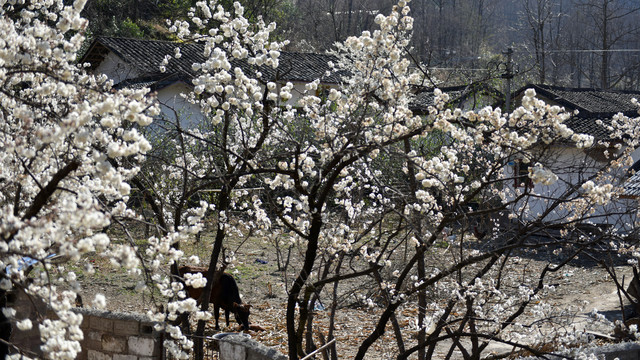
540,16
613,26
317,25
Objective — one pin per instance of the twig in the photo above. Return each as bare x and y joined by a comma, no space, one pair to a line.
624,318
318,349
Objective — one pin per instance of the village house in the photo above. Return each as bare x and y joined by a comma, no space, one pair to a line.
137,63
592,110
470,97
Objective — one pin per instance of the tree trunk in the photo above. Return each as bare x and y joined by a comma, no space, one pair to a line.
295,343
422,294
604,64
198,345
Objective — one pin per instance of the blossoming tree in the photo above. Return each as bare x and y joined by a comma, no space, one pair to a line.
70,144
331,175
346,210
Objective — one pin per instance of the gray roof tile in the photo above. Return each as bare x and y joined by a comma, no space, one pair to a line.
147,55
592,105
591,102
588,125
632,186
424,97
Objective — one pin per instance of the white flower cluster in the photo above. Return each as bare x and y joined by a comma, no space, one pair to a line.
540,175
600,194
195,280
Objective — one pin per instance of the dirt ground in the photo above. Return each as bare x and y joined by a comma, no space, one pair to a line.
580,289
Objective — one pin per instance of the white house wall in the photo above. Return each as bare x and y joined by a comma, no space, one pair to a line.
476,101
174,106
636,155
116,69
573,166
298,91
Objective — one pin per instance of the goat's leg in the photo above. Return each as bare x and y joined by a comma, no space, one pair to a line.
216,314
226,316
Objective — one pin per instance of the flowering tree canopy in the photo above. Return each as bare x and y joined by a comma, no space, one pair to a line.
61,131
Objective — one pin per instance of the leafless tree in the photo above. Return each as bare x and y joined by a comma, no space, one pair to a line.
540,19
614,24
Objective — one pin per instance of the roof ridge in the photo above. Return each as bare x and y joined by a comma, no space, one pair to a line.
176,42
136,39
580,89
307,53
146,56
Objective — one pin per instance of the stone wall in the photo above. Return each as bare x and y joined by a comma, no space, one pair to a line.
120,336
117,336
107,335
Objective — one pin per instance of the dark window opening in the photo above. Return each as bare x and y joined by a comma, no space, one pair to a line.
521,174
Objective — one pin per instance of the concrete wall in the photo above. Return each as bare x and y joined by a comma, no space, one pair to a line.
574,166
239,347
116,69
173,105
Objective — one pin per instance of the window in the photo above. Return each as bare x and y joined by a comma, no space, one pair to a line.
521,174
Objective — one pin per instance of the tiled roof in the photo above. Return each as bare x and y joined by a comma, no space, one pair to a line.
305,67
632,186
590,102
587,125
424,97
147,55
592,105
153,82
